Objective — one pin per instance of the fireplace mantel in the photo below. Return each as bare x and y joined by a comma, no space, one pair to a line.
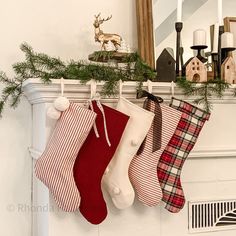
38,93
217,139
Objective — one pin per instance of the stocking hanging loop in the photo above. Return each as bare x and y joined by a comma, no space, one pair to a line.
93,88
62,86
149,85
172,88
120,88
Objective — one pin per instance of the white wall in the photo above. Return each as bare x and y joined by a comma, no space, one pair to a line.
15,171
59,28
64,28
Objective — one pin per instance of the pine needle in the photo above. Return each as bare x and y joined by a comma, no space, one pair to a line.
40,65
203,91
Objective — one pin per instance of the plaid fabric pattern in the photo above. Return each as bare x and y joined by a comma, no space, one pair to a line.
172,159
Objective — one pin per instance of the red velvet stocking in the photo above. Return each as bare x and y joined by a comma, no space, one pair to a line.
93,158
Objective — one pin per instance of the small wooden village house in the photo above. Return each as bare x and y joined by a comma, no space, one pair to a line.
165,66
228,72
196,71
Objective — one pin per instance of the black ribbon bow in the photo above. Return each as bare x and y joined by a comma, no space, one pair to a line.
157,121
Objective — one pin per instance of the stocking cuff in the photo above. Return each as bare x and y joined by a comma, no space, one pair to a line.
189,109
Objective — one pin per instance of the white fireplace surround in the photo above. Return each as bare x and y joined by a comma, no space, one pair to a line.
39,93
216,142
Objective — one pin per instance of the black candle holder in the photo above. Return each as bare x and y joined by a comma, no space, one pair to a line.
199,48
231,49
221,31
178,28
225,53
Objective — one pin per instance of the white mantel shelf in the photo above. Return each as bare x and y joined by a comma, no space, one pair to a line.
37,92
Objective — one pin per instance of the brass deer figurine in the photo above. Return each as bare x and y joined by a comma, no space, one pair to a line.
104,38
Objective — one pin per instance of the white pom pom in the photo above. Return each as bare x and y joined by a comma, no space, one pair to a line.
134,143
61,103
53,113
116,190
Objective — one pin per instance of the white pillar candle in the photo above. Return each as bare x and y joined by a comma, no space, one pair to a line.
216,38
199,37
227,40
179,10
220,18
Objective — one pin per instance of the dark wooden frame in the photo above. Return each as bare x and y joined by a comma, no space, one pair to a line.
145,31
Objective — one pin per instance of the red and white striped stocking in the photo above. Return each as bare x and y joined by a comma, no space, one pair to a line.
55,167
142,170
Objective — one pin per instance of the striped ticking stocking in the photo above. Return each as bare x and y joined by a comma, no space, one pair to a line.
172,159
55,167
142,170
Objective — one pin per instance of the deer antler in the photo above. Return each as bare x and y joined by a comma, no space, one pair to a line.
97,15
102,20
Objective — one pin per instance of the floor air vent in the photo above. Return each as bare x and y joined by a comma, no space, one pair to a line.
205,216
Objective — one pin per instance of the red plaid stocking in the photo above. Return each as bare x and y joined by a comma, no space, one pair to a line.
172,159
55,167
93,159
142,170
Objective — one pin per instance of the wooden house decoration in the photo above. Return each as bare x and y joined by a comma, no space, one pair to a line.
196,71
165,66
228,72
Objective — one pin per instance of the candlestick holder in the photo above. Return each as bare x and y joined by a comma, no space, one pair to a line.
221,31
181,54
178,28
226,52
215,64
199,56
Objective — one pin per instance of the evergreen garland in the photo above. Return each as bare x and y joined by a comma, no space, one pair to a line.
203,91
40,65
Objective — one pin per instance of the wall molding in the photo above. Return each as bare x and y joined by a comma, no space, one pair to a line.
198,154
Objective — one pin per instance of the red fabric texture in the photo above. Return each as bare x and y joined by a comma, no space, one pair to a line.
92,160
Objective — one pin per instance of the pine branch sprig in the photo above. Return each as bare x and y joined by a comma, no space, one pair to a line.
40,65
203,91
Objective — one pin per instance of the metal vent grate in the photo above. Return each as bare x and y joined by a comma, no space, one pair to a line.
212,215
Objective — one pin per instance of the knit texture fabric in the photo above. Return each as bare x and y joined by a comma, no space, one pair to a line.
172,159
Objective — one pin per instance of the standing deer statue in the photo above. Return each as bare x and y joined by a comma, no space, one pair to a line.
104,38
